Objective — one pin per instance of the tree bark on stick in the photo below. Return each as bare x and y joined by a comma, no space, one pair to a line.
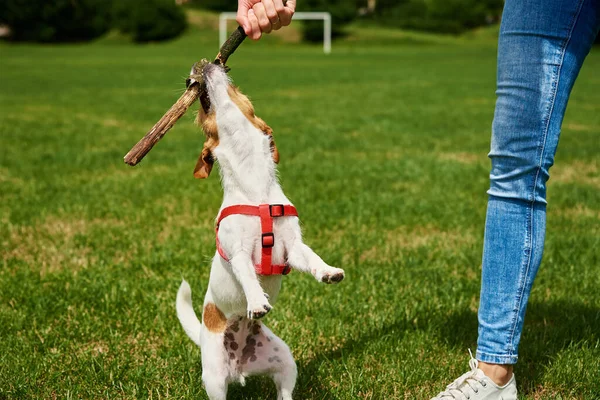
195,89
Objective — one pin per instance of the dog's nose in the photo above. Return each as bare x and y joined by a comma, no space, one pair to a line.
196,72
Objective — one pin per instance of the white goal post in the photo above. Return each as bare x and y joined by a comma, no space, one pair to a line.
325,16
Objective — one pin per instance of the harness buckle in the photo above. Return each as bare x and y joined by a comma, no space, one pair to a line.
268,240
276,210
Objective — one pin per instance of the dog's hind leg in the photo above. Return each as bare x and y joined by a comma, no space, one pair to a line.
265,353
303,258
215,366
216,370
216,390
285,381
277,358
285,372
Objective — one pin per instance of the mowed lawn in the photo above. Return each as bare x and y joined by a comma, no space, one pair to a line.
383,149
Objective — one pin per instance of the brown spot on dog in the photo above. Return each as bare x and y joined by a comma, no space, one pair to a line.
249,325
276,348
234,346
214,319
235,326
249,351
229,336
231,356
259,344
256,329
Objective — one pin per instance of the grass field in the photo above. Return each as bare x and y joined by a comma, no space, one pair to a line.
383,150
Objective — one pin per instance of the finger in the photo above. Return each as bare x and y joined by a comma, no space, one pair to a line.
282,13
277,26
271,12
291,5
244,23
285,17
263,20
255,33
242,16
279,7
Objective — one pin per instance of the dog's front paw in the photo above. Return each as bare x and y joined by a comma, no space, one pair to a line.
259,309
329,275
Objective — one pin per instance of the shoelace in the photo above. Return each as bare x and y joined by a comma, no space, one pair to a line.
467,380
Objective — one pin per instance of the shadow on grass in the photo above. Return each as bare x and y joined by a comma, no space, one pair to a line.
308,385
549,329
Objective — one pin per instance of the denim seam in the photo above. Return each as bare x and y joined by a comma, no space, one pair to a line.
522,280
496,358
522,283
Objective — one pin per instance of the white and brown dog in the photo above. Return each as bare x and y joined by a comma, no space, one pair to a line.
258,241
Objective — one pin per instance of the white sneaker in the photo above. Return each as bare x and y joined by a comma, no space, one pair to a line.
475,385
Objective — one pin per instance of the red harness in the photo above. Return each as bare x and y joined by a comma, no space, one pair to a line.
266,212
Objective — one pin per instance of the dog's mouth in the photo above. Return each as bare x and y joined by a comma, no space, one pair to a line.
204,99
201,73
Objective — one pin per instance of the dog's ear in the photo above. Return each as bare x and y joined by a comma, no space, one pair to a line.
274,151
208,120
204,164
266,129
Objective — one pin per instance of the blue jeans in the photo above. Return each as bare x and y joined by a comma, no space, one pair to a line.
541,48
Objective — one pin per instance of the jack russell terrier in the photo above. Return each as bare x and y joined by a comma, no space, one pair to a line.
258,241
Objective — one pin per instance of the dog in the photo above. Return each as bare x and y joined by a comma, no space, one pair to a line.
258,241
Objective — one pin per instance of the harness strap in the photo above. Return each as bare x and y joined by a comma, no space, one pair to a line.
266,212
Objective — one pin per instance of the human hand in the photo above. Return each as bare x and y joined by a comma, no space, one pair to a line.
258,16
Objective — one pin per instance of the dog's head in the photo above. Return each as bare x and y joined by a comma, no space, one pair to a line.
207,119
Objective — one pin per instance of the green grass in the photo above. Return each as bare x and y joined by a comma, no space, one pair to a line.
383,150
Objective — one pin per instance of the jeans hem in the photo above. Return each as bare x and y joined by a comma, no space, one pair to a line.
496,358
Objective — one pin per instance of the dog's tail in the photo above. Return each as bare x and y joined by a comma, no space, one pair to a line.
185,312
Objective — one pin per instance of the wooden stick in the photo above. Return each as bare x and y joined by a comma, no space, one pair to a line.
195,89
227,49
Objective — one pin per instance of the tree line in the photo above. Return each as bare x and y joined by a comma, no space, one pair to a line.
81,20
154,20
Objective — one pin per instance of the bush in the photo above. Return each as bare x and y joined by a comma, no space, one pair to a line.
446,16
342,12
215,5
56,20
149,20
